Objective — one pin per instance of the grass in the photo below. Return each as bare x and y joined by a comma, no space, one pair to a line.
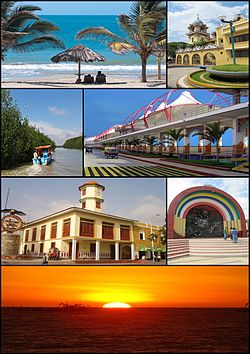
205,162
196,76
231,68
141,154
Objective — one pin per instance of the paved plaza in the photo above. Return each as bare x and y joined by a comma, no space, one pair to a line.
209,260
175,73
97,165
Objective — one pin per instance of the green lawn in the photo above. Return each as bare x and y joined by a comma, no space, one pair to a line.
229,164
196,76
230,67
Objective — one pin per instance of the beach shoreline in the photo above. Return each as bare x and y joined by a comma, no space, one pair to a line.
68,81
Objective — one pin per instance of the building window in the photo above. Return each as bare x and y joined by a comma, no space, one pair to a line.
66,227
86,228
41,247
33,247
53,230
53,245
107,231
221,40
34,231
142,235
27,232
124,232
98,205
240,53
84,205
83,191
240,38
43,232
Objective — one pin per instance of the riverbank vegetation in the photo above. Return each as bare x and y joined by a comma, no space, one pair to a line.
74,143
18,137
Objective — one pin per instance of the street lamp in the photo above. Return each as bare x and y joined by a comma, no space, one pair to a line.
232,30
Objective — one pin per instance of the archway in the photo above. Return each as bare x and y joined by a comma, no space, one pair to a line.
178,59
126,252
204,222
186,59
196,59
209,59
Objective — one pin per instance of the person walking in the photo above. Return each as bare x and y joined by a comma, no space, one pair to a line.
230,233
225,233
45,259
158,257
235,235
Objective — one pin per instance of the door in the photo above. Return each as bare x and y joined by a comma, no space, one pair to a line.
112,251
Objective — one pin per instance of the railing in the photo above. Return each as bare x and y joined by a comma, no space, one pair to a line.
219,103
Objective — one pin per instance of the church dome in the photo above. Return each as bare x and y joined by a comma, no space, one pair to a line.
198,21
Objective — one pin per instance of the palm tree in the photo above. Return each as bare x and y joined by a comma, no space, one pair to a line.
150,140
213,132
161,54
23,31
144,29
174,137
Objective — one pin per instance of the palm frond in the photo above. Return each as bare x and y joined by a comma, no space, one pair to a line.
18,20
121,48
98,33
40,43
40,26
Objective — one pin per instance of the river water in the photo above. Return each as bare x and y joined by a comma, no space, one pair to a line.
66,162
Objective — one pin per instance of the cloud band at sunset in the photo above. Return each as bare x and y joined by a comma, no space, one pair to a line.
171,286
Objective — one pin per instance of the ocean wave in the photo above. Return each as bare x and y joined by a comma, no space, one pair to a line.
9,71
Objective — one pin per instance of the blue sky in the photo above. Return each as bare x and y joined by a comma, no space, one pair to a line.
236,187
57,113
140,199
182,13
104,108
80,7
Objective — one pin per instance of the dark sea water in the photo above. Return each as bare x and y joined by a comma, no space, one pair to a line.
97,330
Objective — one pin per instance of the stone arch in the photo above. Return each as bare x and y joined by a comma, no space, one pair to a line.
178,59
196,59
209,59
186,60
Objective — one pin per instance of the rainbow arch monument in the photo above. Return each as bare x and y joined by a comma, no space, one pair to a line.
204,212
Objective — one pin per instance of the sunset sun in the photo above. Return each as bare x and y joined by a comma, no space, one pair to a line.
116,305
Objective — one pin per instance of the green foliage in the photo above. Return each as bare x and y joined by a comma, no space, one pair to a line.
18,138
74,143
23,31
173,46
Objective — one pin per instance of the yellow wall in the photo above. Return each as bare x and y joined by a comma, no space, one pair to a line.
223,54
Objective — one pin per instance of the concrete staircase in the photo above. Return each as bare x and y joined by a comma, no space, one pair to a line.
218,247
207,247
177,248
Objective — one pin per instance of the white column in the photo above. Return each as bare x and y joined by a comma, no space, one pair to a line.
97,250
73,256
117,251
132,251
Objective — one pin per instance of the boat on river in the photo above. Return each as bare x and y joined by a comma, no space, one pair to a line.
42,155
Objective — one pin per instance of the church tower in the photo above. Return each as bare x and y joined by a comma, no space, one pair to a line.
91,196
197,31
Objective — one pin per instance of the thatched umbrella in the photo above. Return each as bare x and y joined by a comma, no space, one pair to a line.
77,54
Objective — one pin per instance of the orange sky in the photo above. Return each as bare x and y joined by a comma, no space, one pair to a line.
139,286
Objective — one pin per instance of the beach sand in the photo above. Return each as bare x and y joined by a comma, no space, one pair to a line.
69,82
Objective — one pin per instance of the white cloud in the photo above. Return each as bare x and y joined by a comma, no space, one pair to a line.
37,208
236,187
147,208
186,12
57,134
57,111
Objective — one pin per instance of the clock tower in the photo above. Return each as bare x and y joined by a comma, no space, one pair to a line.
91,196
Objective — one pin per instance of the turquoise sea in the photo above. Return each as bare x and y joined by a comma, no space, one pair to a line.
38,63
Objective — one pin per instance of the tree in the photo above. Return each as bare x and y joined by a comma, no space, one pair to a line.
174,46
144,29
174,137
23,31
213,132
150,140
163,235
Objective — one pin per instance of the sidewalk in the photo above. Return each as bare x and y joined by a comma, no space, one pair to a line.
185,167
209,260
